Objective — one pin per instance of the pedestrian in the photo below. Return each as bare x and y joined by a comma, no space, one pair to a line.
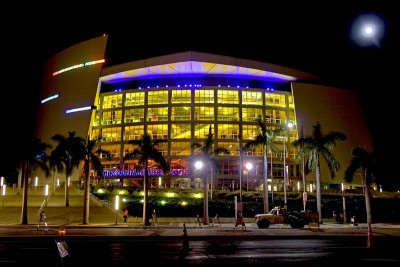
126,215
198,220
42,218
216,219
240,221
334,216
154,218
63,248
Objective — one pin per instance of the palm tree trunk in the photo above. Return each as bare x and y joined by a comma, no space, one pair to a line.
24,211
265,184
67,190
145,219
86,195
318,182
272,178
368,210
205,202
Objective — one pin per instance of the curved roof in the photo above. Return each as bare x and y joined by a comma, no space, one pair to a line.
192,64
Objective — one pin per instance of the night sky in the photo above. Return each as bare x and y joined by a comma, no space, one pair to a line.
314,38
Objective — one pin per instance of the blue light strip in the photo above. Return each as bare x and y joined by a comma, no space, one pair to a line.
50,98
80,109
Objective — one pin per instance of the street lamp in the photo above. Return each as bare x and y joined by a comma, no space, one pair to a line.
249,166
3,192
199,166
46,194
344,205
285,168
116,208
36,183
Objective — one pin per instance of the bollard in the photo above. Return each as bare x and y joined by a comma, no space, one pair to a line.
185,243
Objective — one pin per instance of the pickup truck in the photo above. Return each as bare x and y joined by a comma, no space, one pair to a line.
278,215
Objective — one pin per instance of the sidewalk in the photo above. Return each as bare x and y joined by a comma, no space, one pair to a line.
103,216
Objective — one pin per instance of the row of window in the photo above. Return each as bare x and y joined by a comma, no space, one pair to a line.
181,96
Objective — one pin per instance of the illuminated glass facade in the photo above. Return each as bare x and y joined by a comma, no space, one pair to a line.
183,113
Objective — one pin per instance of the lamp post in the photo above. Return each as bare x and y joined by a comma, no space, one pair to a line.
46,194
3,192
36,183
303,175
344,205
285,168
116,208
199,166
249,166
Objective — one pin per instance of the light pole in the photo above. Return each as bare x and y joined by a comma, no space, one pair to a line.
116,208
344,205
285,168
3,192
199,166
36,183
303,175
249,166
46,194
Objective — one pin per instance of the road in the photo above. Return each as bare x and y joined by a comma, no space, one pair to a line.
208,246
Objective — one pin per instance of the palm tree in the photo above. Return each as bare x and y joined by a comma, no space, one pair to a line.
273,148
207,156
265,138
146,149
65,157
33,155
315,146
363,161
90,155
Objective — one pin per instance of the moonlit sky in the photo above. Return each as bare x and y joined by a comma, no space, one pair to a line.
325,39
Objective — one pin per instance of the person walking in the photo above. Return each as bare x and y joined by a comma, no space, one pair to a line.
154,218
42,218
240,220
216,219
198,220
126,215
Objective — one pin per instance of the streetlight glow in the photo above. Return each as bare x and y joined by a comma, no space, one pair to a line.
249,166
116,206
198,164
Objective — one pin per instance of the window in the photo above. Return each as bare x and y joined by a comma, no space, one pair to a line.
134,115
133,132
228,114
204,96
228,96
157,97
181,96
112,134
252,98
204,113
157,114
181,113
112,101
181,131
134,99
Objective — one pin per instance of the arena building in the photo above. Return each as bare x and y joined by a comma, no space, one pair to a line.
179,98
